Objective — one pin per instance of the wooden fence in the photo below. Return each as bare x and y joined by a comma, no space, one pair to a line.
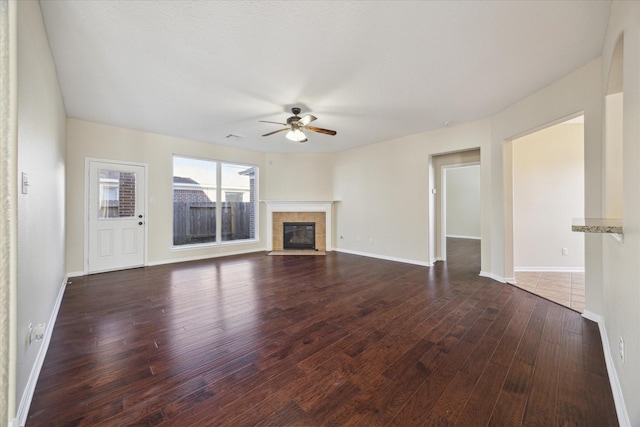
195,222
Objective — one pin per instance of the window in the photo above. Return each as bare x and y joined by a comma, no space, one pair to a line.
205,212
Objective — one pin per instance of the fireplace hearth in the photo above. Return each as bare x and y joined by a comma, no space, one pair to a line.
299,235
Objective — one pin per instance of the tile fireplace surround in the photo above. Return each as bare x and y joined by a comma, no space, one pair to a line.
287,211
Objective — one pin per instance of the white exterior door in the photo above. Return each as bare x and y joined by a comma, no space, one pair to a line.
116,220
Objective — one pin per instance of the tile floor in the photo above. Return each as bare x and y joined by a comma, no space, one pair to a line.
561,287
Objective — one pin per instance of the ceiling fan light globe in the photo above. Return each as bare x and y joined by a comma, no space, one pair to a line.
296,135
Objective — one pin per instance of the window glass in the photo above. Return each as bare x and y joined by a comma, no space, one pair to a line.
238,214
194,201
197,203
117,193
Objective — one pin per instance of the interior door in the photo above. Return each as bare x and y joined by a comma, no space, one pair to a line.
116,222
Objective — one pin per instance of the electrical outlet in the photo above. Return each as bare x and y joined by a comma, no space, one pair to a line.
35,333
38,332
621,348
565,251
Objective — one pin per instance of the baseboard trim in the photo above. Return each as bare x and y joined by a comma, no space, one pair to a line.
616,390
187,259
495,277
30,388
550,269
201,257
387,258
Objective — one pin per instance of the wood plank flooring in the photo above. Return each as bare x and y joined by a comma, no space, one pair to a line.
336,340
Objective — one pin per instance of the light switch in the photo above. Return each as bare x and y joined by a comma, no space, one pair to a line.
25,183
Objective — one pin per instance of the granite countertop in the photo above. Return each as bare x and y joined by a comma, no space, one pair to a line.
597,225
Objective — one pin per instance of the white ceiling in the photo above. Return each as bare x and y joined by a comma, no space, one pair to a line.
371,70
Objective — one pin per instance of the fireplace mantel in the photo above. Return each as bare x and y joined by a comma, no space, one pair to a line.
291,206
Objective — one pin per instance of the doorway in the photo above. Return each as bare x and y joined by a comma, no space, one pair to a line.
548,192
116,216
439,165
460,203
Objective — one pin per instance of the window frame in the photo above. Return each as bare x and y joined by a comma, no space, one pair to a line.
219,194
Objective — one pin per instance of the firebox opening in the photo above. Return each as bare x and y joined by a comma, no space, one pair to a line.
299,235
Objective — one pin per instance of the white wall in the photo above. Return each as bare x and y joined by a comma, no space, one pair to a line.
548,192
463,202
41,212
620,293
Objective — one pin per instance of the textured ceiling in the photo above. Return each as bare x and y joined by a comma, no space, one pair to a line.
371,70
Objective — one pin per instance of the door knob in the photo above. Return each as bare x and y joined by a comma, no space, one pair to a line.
139,216
140,223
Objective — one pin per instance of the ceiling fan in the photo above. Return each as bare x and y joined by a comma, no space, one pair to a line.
295,125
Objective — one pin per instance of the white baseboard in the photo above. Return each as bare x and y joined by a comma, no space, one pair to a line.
495,277
551,269
618,397
388,258
30,388
176,260
201,257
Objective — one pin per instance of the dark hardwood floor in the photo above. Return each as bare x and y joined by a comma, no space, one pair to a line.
318,340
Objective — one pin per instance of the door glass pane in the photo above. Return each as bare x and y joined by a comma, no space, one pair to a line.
117,194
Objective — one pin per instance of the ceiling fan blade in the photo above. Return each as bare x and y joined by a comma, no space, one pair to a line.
307,119
276,131
275,123
320,130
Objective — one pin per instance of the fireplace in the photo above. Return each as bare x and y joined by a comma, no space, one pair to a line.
299,235
279,212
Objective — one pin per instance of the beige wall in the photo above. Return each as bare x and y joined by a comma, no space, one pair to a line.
620,291
92,140
386,207
41,212
566,97
548,192
298,177
462,193
385,203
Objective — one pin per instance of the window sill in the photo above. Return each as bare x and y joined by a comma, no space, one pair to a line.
196,246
